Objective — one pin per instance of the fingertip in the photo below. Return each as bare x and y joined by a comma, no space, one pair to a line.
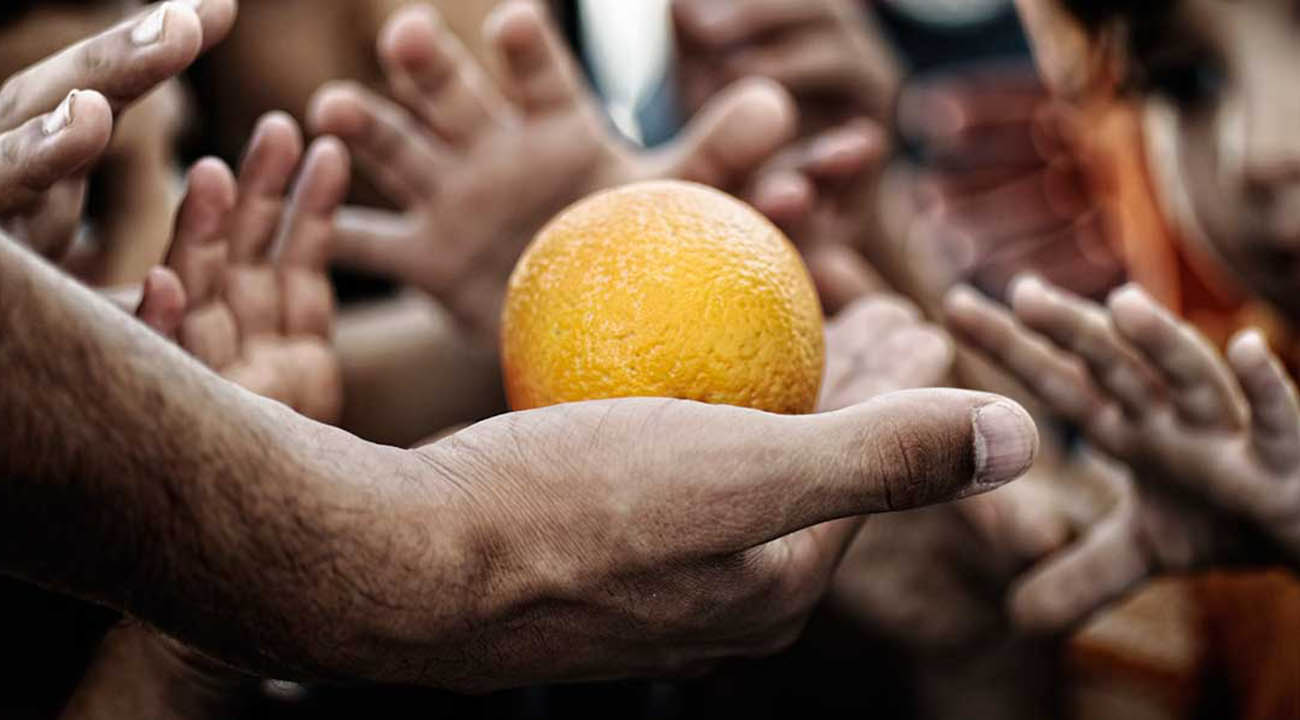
82,124
92,108
181,31
212,179
216,17
784,197
162,282
514,25
1025,283
1133,311
765,101
1248,350
280,128
1005,443
1026,293
272,154
163,304
328,167
409,34
1129,297
336,109
331,150
849,149
740,129
962,301
210,195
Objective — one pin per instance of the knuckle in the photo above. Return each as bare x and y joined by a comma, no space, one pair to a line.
905,463
93,58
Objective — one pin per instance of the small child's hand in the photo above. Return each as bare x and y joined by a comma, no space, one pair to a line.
1213,443
1008,183
829,53
476,170
245,289
822,191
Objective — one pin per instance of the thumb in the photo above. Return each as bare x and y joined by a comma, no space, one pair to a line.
721,479
733,134
900,451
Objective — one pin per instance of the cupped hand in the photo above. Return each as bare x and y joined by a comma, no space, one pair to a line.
647,536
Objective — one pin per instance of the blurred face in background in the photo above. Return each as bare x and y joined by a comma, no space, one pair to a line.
1229,70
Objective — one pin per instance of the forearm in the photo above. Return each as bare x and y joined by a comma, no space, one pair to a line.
408,373
134,477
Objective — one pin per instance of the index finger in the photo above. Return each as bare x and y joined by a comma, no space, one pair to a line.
122,63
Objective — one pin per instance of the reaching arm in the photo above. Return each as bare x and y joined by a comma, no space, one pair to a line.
133,477
137,478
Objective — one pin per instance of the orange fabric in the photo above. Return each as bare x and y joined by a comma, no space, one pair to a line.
1251,621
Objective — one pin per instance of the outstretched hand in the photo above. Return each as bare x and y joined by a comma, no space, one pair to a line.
1011,182
56,117
245,289
612,538
829,53
1213,442
721,546
476,168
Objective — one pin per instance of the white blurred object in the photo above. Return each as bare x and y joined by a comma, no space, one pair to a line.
951,13
629,45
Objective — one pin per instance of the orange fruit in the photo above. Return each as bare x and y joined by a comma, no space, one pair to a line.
662,289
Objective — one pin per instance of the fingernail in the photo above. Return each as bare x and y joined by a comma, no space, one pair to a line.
192,4
1006,442
62,115
150,29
